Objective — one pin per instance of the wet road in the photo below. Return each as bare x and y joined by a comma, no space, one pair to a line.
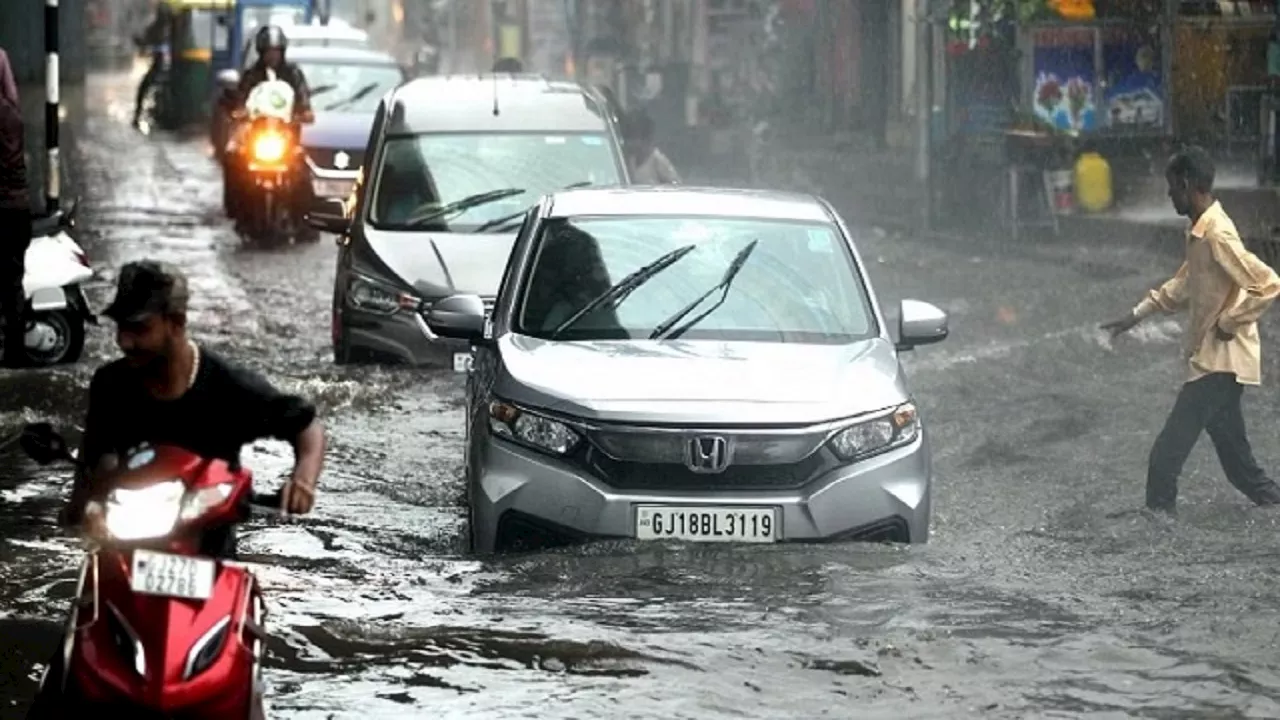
1039,595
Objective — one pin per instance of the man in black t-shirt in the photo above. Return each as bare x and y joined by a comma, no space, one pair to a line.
166,390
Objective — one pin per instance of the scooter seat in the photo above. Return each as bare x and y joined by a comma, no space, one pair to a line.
46,226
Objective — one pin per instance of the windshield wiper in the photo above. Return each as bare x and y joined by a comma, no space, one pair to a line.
625,287
322,89
731,272
458,206
360,94
508,219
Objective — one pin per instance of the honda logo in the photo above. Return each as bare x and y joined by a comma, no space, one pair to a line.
707,454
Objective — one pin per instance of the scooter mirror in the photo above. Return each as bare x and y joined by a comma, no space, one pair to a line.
43,444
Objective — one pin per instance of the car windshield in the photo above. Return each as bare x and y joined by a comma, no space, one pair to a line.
338,87
423,173
796,281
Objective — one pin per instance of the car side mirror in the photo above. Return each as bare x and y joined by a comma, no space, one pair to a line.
329,215
43,444
228,79
920,323
460,317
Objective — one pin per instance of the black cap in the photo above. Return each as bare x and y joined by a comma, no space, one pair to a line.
145,288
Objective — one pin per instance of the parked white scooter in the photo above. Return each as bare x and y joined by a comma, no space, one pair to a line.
57,311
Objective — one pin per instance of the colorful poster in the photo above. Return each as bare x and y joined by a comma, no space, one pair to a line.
1065,75
1133,97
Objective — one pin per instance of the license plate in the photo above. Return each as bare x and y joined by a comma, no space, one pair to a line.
332,188
707,524
168,575
462,362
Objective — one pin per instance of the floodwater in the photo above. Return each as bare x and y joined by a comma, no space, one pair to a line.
1042,593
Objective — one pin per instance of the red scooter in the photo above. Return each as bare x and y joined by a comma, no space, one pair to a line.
156,628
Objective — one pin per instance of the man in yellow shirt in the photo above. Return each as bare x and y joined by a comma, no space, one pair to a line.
1225,289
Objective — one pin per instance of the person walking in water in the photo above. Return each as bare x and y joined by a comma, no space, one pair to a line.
15,215
1225,289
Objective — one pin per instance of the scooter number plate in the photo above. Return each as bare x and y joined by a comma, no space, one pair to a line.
178,576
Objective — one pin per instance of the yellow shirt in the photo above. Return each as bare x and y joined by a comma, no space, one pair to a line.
1223,285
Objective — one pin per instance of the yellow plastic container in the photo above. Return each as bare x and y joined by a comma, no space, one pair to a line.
1093,182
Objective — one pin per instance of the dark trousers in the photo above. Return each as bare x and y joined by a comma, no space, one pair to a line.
15,225
149,79
1211,403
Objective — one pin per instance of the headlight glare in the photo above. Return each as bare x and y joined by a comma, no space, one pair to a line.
869,437
144,513
530,429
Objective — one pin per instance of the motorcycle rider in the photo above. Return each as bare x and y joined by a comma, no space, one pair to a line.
270,43
167,389
153,39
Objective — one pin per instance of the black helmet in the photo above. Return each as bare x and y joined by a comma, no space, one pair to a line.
270,37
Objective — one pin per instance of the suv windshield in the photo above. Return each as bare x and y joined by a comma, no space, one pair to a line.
349,88
423,172
797,284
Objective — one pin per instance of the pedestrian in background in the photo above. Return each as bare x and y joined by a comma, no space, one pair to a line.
1225,289
15,214
649,166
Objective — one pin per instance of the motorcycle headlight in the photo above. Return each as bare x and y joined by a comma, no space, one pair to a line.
897,428
269,147
379,298
144,513
536,431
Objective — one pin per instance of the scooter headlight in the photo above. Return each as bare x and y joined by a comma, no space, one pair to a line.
153,511
269,147
144,513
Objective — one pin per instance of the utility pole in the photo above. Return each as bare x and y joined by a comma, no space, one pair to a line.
924,107
52,105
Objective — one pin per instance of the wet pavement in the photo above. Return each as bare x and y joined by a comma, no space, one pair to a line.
1040,595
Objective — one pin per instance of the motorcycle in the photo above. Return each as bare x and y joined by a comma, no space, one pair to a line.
155,627
271,153
56,309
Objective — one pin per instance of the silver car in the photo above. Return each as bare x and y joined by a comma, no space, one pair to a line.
702,365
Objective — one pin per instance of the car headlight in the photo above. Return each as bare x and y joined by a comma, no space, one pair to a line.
895,429
144,513
536,431
378,298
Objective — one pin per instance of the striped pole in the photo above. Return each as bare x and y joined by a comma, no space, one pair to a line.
51,106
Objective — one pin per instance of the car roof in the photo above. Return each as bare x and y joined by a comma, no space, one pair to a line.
339,54
466,103
320,32
681,200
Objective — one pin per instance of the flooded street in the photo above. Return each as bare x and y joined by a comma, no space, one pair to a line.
1042,593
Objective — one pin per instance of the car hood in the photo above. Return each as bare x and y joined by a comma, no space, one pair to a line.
701,382
438,265
338,130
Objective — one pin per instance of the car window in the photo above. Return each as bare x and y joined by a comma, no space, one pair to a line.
420,173
798,285
337,87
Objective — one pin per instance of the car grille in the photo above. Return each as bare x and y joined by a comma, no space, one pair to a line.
631,475
323,158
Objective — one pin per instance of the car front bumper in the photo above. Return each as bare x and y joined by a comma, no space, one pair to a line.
883,497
